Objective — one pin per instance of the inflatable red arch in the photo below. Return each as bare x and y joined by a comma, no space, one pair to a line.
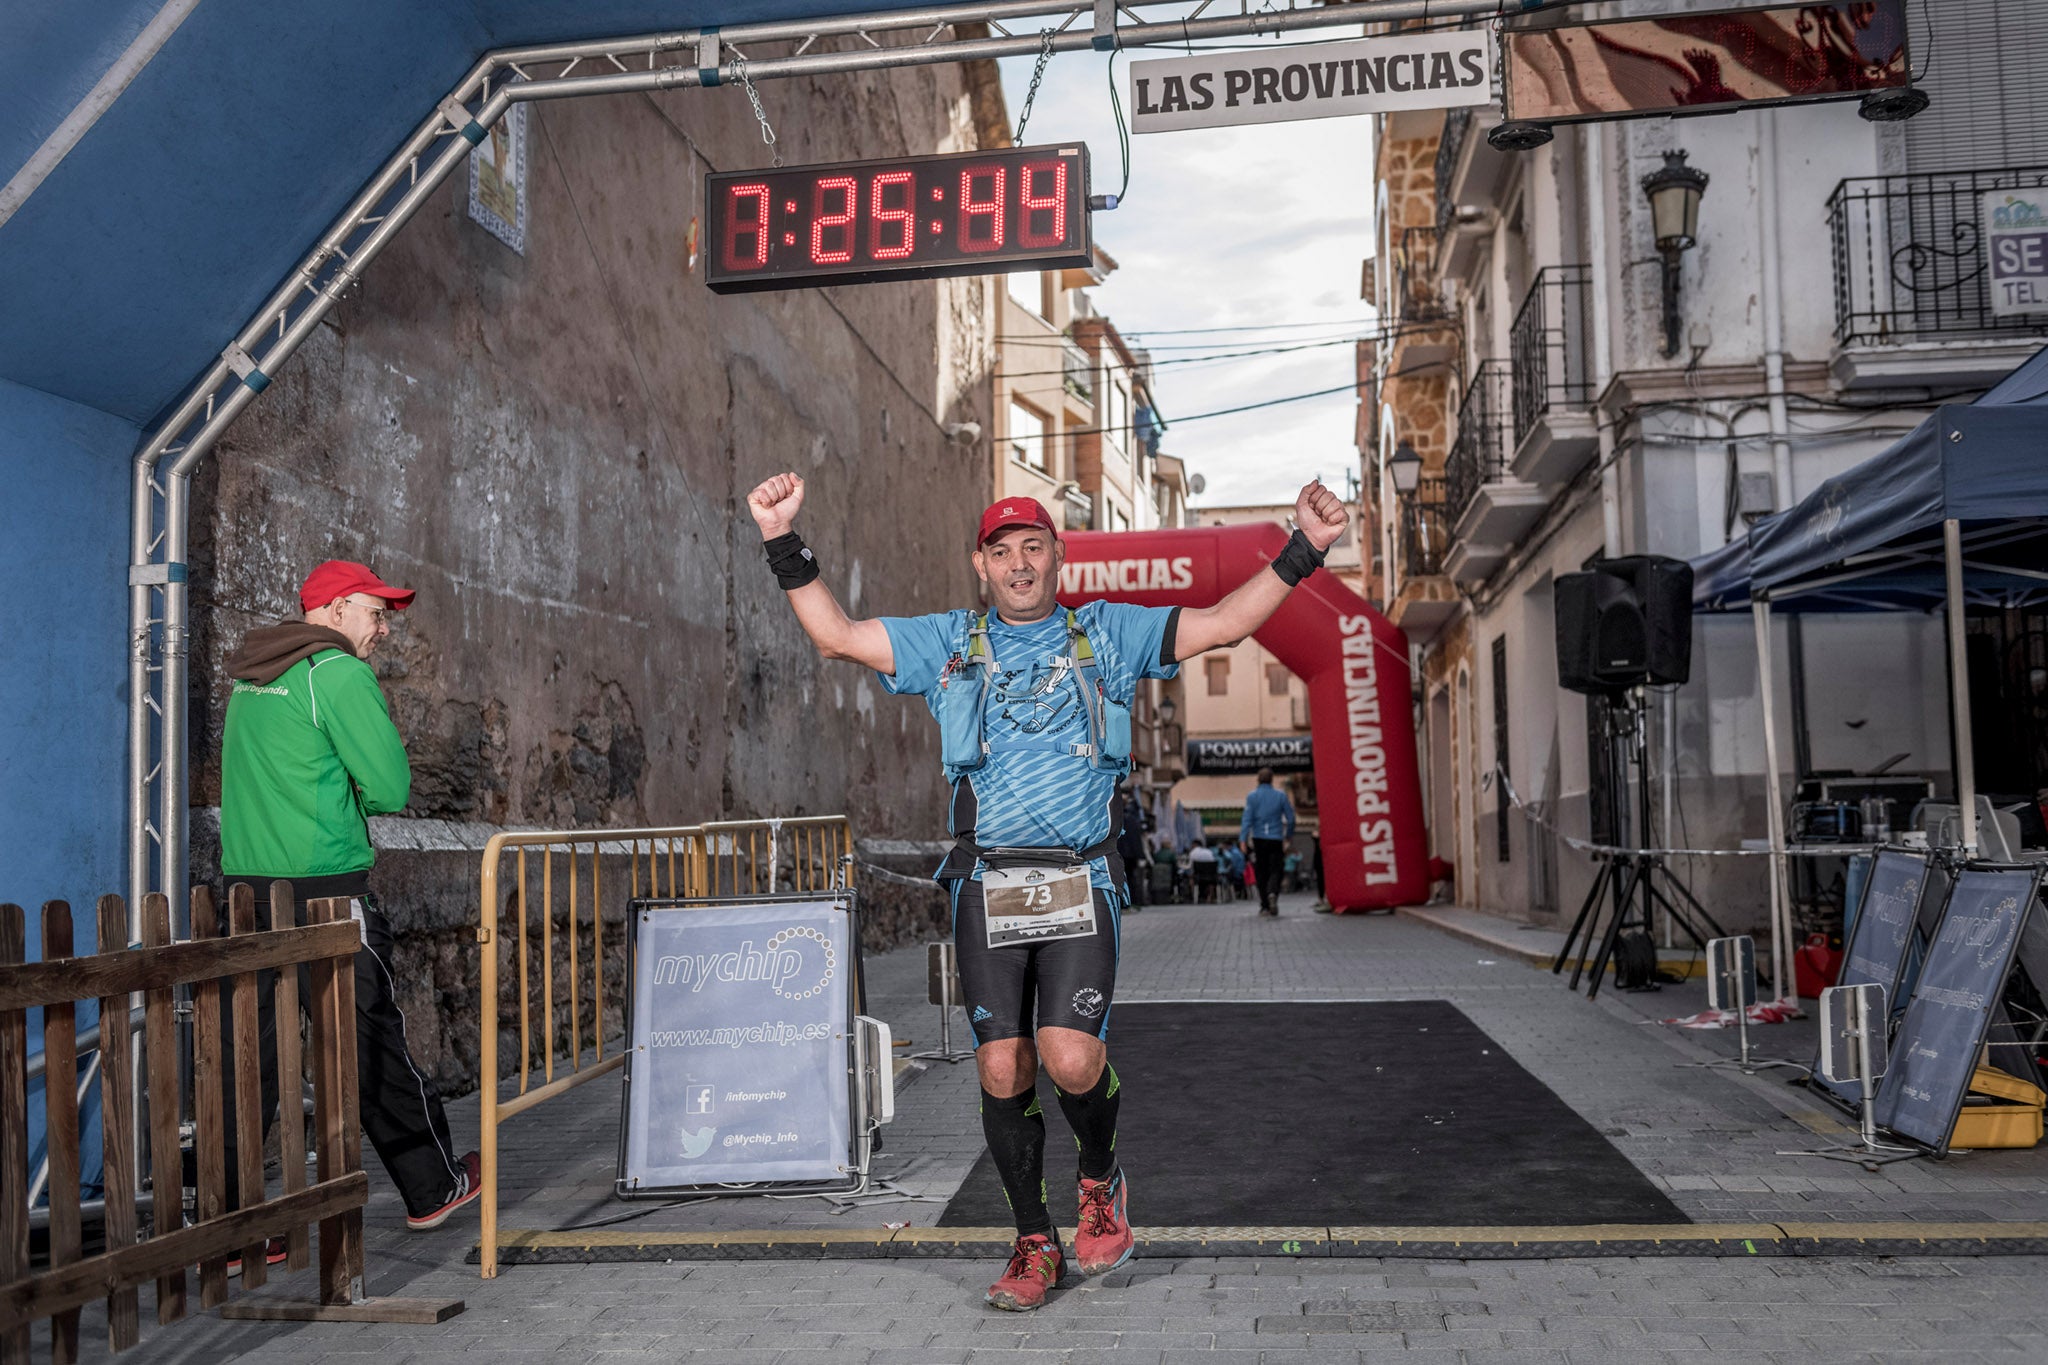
1354,661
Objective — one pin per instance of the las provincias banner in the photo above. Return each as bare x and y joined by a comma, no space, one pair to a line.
1315,80
1354,662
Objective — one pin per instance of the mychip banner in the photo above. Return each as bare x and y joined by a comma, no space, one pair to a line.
1313,80
738,1058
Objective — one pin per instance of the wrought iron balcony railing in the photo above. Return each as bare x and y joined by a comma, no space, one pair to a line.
1909,256
1548,345
1422,533
1450,144
1415,290
1479,452
1077,372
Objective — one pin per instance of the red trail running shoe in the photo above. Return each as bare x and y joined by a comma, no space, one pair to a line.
1103,1241
1035,1266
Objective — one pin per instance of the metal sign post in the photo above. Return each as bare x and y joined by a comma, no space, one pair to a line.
1853,1024
942,988
1731,985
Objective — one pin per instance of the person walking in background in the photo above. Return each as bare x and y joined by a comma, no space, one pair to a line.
309,754
1267,825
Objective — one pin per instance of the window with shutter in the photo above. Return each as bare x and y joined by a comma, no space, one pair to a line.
1982,62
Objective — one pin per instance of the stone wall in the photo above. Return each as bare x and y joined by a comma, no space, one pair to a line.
554,449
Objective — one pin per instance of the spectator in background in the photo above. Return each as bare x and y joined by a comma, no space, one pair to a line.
308,755
1203,866
1267,825
1231,859
1130,846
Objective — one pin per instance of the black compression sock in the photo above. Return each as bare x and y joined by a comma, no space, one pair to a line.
1015,1129
1092,1116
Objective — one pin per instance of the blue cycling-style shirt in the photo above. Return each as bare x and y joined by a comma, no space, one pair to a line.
1268,814
1034,792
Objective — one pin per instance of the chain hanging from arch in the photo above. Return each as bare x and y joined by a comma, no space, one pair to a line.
739,71
1045,36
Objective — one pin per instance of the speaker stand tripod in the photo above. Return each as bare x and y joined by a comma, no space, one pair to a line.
1636,882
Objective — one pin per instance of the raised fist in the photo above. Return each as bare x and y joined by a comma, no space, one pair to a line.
1319,514
775,504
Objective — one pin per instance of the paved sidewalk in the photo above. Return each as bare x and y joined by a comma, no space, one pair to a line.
1710,1138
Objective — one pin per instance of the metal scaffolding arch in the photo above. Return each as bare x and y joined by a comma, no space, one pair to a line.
158,599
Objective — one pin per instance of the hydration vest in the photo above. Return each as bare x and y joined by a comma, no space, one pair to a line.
963,704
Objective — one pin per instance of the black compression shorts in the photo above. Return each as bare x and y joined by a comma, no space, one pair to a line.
1013,991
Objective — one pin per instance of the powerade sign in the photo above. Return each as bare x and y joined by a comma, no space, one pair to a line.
2016,251
1283,754
737,1070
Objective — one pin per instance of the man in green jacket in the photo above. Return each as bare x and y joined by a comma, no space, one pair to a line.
310,753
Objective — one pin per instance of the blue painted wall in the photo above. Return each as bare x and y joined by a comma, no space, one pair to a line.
63,678
63,665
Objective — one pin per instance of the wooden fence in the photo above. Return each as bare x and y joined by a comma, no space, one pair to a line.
221,971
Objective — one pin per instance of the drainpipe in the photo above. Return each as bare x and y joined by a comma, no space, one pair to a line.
1773,312
1603,347
1774,390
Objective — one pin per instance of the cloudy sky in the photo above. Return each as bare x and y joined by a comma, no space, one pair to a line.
1259,228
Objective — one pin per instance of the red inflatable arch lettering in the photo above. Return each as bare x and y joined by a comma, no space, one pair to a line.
1354,661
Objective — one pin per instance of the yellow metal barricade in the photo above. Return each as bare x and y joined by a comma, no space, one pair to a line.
567,873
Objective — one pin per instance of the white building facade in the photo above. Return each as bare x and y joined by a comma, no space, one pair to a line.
1835,294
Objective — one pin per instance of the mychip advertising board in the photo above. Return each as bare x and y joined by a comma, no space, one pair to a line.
738,1065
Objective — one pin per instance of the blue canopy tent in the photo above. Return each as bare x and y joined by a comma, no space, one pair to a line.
1953,515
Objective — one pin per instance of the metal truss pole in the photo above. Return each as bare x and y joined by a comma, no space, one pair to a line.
158,596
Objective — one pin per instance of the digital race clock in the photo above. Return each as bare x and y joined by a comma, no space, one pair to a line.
917,217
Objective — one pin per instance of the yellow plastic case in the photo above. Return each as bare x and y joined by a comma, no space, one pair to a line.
2013,1124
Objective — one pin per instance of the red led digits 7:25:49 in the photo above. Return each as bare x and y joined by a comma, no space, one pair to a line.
967,213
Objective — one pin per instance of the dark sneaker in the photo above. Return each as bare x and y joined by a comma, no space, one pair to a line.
274,1253
468,1186
1103,1240
1035,1266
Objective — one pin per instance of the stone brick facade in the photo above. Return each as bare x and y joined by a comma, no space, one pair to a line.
554,448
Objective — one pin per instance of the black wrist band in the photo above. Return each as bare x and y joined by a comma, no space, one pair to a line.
1298,560
792,561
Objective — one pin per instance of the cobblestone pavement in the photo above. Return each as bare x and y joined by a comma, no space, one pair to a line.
1710,1137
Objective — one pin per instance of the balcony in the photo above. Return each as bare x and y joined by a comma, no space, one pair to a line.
1489,509
1077,373
1548,346
1415,290
1423,336
1424,597
1913,305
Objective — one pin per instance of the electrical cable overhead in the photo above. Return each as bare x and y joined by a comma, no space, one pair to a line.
1128,428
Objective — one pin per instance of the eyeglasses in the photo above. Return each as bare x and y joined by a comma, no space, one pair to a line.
377,613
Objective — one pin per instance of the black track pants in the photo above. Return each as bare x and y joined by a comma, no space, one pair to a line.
399,1106
1269,860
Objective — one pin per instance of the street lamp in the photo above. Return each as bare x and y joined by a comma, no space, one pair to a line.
1167,710
1405,466
1674,191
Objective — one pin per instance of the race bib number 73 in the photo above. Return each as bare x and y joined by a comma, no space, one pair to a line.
1027,905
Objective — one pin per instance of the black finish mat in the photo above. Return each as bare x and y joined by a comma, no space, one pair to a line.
1401,1113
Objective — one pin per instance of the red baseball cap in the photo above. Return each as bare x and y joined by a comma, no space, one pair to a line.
1011,513
340,577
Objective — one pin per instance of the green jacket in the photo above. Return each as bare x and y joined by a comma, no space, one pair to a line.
310,752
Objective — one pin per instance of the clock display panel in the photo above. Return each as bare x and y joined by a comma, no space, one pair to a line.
965,213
